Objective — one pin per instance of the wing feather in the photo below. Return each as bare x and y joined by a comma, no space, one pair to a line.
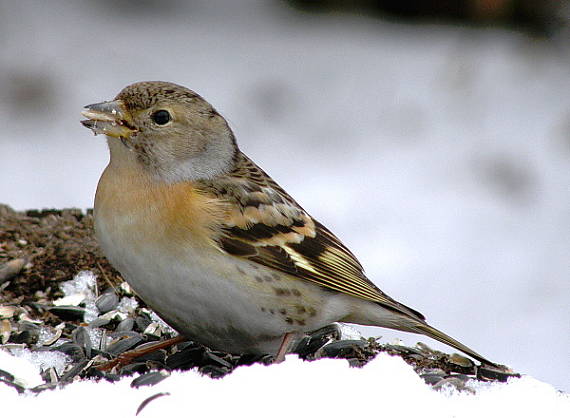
265,225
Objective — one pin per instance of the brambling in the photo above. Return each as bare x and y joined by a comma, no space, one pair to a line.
210,242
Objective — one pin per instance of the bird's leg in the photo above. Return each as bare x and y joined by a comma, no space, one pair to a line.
125,358
280,356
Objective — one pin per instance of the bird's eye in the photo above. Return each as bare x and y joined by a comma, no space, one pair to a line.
161,117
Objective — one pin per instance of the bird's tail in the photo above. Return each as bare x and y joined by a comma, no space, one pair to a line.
425,329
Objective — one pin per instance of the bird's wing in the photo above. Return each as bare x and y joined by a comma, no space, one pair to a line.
267,226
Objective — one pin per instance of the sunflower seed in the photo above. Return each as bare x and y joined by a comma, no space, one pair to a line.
71,300
343,349
460,361
11,269
7,312
131,368
126,324
74,371
493,373
426,349
404,350
158,356
50,338
431,378
120,334
45,386
113,315
309,344
5,331
73,350
185,359
212,358
149,400
16,386
462,377
68,312
81,337
107,302
49,375
153,329
150,379
99,322
452,381
5,376
123,345
142,322
24,337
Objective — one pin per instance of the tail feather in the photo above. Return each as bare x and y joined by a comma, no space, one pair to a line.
423,328
399,317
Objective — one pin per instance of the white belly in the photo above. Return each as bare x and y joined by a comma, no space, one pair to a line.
223,302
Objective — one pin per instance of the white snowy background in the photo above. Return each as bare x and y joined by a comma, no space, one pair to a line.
439,154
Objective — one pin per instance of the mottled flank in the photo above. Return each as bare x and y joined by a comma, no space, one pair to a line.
279,291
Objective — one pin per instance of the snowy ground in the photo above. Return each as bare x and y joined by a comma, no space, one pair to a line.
440,155
327,387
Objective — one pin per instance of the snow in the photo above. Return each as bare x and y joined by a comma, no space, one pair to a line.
386,386
25,372
80,289
82,284
440,155
26,365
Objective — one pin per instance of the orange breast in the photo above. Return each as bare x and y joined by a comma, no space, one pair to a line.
134,205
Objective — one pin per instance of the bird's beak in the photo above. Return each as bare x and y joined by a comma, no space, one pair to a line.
109,118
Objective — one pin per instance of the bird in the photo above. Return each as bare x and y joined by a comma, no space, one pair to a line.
212,243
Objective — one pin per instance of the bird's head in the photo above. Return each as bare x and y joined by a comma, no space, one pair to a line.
168,129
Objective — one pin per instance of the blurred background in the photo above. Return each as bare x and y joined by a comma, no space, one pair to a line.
433,137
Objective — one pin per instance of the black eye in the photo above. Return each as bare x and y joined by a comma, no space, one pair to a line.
161,117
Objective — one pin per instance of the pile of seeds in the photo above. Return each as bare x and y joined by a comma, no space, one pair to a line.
61,302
